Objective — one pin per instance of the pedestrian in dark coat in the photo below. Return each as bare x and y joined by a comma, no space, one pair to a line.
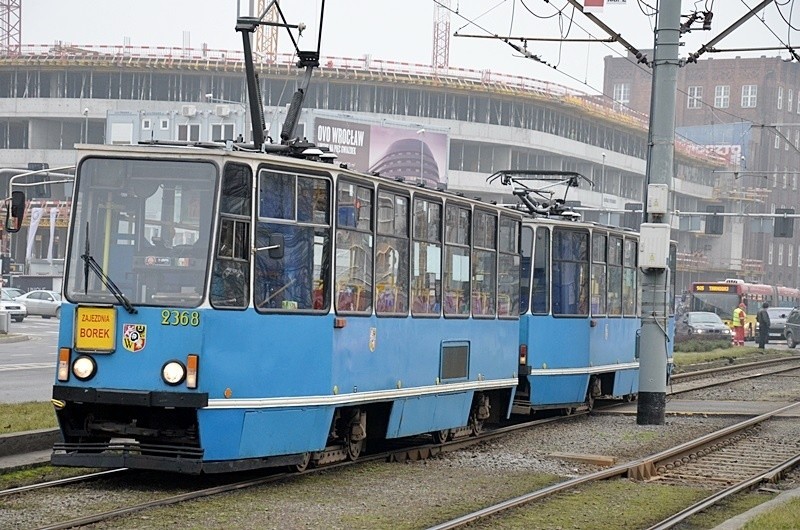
762,317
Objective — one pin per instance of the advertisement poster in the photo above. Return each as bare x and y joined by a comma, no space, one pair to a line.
410,153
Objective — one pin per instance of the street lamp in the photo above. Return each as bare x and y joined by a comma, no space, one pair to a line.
86,125
421,149
211,99
603,186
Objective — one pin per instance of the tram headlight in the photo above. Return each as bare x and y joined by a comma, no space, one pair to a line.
84,368
173,373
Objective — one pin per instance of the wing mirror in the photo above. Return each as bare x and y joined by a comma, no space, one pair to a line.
15,211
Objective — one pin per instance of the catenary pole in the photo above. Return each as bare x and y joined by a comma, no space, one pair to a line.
655,284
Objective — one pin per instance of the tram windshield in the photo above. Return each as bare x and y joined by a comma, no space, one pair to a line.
722,304
148,224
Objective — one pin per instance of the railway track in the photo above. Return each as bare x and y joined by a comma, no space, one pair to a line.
415,452
409,452
699,460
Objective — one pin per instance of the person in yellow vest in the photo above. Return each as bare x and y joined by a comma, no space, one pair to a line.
739,316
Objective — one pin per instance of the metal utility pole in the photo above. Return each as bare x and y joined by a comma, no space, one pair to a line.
655,285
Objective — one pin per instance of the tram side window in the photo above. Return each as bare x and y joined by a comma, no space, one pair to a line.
484,263
230,279
391,255
615,276
353,248
508,281
525,270
599,250
457,260
297,208
540,288
426,272
629,278
570,272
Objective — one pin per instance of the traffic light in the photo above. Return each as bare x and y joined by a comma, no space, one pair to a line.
783,226
715,224
632,218
43,191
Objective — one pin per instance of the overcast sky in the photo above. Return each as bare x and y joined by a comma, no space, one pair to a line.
403,31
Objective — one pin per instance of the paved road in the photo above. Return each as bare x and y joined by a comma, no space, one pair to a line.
27,368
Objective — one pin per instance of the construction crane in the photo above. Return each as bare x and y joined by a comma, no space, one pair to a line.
10,27
441,34
266,35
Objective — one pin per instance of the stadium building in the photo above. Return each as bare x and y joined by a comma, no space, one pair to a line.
443,126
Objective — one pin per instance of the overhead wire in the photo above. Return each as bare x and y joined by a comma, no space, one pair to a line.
708,5
559,11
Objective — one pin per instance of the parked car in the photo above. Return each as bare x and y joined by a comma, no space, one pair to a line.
40,302
17,310
701,325
777,321
791,331
13,292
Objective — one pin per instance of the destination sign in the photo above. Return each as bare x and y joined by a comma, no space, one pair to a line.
94,329
713,288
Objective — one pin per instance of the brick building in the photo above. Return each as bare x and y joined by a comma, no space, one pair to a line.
748,109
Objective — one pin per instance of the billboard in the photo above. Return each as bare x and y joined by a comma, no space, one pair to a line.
410,153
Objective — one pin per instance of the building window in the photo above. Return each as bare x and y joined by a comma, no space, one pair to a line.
722,96
622,93
789,100
769,254
164,125
221,131
780,255
749,96
789,255
189,132
777,142
146,124
780,97
695,100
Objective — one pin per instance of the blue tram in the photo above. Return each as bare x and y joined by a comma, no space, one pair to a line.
228,310
233,306
579,304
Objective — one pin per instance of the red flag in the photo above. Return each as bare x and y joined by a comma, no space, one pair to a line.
593,5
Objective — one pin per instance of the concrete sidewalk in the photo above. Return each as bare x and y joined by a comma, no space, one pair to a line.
742,519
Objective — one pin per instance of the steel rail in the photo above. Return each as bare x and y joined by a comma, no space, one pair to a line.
640,468
61,482
717,497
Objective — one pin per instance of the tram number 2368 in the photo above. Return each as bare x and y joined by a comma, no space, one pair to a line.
179,318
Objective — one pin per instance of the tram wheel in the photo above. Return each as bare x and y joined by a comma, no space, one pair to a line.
442,436
303,465
475,425
353,448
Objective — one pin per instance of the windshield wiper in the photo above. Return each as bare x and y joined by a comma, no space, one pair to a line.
89,263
